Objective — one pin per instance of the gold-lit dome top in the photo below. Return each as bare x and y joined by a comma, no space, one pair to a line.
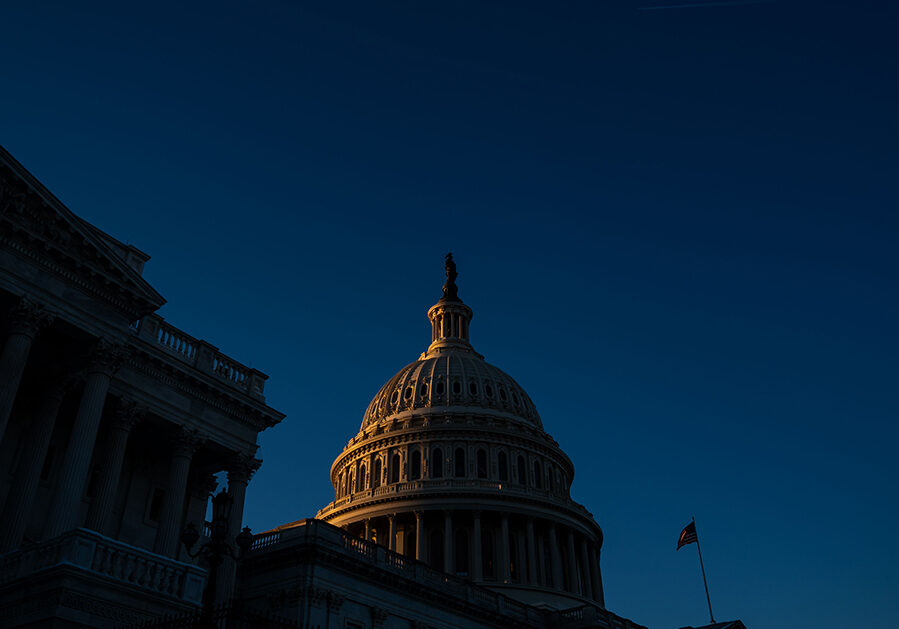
450,378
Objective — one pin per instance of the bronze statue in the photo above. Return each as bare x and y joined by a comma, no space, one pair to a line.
450,290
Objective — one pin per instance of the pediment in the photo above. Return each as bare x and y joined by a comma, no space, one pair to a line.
40,226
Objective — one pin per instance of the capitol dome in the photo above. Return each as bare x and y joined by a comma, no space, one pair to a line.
452,466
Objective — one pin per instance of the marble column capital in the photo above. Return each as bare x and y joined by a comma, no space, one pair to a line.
105,358
127,415
241,467
185,442
29,317
419,514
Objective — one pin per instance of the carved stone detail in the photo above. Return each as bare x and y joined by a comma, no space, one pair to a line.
29,318
378,617
242,466
185,442
335,601
128,414
106,357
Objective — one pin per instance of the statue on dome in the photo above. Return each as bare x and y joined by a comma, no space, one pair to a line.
450,290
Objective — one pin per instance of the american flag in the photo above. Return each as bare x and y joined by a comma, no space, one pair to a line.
687,536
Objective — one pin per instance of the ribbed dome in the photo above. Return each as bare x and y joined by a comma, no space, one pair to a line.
458,379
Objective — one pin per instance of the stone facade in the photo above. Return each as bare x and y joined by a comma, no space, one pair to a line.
112,423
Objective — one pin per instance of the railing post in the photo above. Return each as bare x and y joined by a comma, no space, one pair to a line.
205,355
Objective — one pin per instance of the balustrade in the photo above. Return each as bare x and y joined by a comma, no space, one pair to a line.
199,354
91,552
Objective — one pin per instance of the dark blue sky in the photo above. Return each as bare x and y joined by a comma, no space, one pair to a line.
677,229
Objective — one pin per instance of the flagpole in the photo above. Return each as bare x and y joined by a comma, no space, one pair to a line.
701,567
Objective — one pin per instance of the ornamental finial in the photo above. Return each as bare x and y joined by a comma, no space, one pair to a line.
450,290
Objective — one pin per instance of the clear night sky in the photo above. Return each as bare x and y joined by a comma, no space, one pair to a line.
677,229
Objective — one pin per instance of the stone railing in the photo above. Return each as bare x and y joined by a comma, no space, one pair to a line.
450,484
327,536
200,355
90,552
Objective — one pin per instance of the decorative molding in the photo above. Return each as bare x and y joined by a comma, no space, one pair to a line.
28,318
105,357
241,467
378,617
100,607
185,442
127,415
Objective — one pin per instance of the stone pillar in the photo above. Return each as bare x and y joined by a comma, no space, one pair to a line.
504,574
587,589
541,560
522,558
477,563
34,450
76,463
240,470
572,565
598,594
367,529
391,531
184,444
555,558
419,536
448,546
127,415
532,553
27,320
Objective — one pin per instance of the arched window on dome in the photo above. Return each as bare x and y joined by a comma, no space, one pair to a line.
437,463
459,461
538,476
482,463
552,481
376,474
360,478
415,465
395,468
502,462
522,471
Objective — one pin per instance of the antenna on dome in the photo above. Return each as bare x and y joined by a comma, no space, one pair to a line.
450,290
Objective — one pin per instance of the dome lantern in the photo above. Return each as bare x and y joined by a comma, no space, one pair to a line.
449,317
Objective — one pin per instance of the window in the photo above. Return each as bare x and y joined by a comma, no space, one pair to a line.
522,471
503,464
360,479
395,468
437,463
376,474
423,389
502,394
460,462
438,387
393,397
488,390
482,463
538,477
415,472
487,565
155,509
435,554
457,387
462,553
408,393
473,388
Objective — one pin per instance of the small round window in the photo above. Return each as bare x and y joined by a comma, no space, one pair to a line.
423,389
457,387
502,395
438,388
473,388
408,393
488,390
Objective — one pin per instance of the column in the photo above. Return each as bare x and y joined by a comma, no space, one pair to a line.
184,444
555,558
587,590
522,558
76,462
541,560
477,562
532,553
34,450
598,594
504,573
127,415
367,529
391,531
240,470
448,547
27,320
419,536
572,565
